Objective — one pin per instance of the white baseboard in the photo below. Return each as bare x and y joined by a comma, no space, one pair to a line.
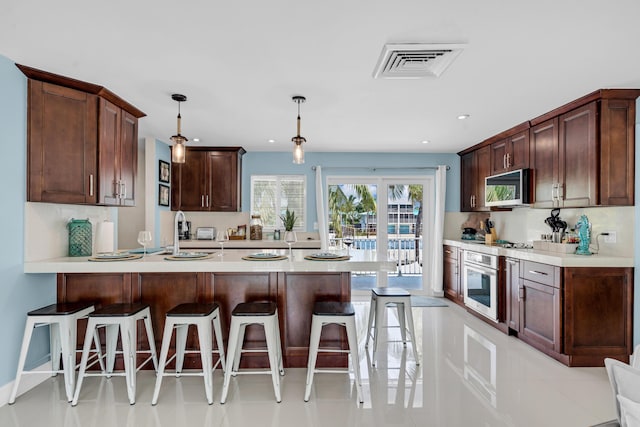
27,382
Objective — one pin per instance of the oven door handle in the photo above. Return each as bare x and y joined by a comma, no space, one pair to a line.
481,269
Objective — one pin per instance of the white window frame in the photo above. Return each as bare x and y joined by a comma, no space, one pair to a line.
301,224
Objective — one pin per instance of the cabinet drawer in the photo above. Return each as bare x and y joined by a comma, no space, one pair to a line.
541,273
450,252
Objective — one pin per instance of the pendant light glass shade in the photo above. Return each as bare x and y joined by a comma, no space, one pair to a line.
178,151
298,149
298,153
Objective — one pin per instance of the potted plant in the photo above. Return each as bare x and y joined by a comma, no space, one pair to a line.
289,221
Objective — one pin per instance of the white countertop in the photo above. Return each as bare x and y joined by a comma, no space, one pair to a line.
249,244
552,258
230,262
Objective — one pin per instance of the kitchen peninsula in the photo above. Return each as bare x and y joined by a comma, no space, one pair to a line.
228,280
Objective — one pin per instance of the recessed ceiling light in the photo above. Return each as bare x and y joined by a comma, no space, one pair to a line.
425,141
196,139
271,141
463,116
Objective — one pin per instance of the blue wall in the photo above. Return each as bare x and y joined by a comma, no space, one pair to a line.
280,163
163,152
19,292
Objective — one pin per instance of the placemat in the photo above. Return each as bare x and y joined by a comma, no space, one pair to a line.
126,257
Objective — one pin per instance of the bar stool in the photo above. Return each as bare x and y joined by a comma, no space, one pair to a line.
62,319
203,316
250,313
123,318
325,313
380,297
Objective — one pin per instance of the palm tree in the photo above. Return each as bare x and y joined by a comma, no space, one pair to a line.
414,194
342,206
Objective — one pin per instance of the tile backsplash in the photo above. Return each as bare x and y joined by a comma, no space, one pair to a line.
527,224
46,234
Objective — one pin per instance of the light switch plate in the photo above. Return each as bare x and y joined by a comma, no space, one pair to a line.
611,238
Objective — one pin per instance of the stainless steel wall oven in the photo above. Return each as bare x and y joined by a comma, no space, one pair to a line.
480,279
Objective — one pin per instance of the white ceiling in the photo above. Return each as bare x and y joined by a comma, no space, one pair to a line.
240,62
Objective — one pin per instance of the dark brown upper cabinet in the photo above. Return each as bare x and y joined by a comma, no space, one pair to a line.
209,180
474,167
82,142
511,152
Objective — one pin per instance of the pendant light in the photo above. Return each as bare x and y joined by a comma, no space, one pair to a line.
178,149
298,150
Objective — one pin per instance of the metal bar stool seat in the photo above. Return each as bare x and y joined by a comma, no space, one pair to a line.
203,317
380,297
121,318
62,319
250,313
325,313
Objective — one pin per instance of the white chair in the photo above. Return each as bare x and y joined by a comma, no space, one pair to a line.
401,298
62,319
326,313
251,313
203,316
625,381
123,318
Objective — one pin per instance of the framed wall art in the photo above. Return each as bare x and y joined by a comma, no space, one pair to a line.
164,172
163,195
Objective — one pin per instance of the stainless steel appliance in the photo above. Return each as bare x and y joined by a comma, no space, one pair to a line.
508,189
184,230
480,279
206,233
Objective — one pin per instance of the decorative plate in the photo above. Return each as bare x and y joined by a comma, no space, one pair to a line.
326,255
185,256
115,257
264,257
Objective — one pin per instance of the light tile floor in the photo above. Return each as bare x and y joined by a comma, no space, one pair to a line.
470,375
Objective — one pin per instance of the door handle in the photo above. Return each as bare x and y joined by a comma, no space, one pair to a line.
521,293
123,190
116,189
202,201
207,200
504,161
91,185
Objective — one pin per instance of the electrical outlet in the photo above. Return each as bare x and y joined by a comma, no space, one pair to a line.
611,238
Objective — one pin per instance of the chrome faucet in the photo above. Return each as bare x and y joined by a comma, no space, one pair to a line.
176,246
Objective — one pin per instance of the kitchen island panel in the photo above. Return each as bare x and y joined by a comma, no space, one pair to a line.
231,289
163,291
301,292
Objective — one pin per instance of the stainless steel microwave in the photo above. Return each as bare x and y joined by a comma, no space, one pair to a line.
508,189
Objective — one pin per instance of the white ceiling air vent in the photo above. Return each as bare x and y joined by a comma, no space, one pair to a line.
415,60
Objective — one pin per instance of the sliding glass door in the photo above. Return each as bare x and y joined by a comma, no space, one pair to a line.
386,216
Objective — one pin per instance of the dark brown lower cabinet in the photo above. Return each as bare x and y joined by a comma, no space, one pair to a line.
577,315
294,293
540,316
452,281
598,314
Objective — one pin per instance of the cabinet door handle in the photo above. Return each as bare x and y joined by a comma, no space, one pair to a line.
116,189
539,273
123,190
202,201
91,185
207,201
521,293
504,161
560,192
508,160
472,200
